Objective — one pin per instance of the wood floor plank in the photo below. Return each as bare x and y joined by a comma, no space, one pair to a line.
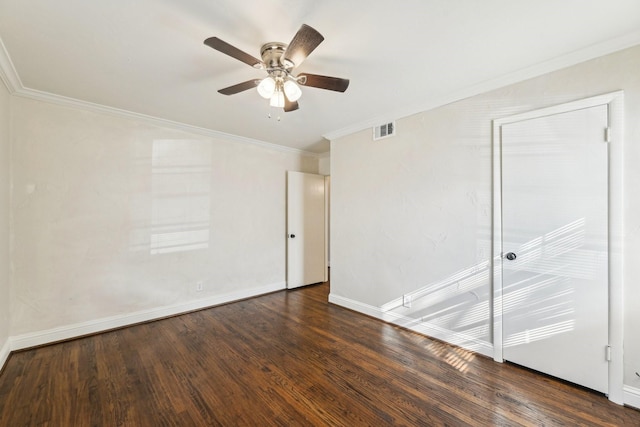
283,359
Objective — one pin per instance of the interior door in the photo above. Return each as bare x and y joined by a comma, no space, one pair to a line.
305,229
555,245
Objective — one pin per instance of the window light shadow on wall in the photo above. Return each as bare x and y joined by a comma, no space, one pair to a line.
180,187
540,290
459,302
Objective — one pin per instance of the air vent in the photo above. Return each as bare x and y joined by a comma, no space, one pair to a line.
384,131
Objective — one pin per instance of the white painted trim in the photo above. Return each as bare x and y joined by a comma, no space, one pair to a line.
564,61
11,79
326,227
616,246
98,108
100,325
632,396
496,255
5,350
416,325
615,101
8,73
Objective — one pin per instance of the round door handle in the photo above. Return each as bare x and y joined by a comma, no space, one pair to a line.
510,256
293,236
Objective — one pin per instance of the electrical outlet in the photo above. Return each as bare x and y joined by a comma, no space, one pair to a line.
406,301
199,286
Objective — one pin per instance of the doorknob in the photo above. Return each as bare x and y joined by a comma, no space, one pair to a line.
293,236
510,256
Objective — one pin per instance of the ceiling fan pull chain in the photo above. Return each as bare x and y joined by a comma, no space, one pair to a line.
269,116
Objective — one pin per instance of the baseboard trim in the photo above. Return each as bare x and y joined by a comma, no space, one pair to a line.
632,396
67,332
455,338
5,350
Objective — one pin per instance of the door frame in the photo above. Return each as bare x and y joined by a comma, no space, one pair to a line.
615,103
288,220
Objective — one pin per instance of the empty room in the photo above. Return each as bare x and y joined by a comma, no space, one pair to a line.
230,212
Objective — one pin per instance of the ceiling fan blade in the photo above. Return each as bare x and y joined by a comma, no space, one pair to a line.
232,51
323,82
240,87
290,105
303,43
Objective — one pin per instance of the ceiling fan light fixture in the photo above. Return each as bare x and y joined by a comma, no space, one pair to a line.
277,100
292,90
267,88
282,86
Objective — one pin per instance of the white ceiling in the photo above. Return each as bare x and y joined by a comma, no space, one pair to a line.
148,56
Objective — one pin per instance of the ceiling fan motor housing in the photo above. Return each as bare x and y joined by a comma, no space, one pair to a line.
271,54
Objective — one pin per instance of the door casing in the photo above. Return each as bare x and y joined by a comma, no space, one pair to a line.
615,102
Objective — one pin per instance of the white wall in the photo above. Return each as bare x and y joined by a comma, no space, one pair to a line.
4,222
413,212
114,217
324,165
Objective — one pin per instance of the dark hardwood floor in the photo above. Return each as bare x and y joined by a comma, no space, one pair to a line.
288,358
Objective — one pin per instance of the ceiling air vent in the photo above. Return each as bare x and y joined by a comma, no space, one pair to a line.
384,131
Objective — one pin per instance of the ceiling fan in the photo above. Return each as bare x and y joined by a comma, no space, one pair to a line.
281,86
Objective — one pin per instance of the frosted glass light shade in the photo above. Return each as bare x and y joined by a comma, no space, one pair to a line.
277,100
292,90
267,87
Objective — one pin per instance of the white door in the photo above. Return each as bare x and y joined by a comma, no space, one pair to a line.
305,229
555,245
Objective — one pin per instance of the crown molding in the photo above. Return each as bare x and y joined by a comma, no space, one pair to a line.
99,108
11,79
8,73
555,64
